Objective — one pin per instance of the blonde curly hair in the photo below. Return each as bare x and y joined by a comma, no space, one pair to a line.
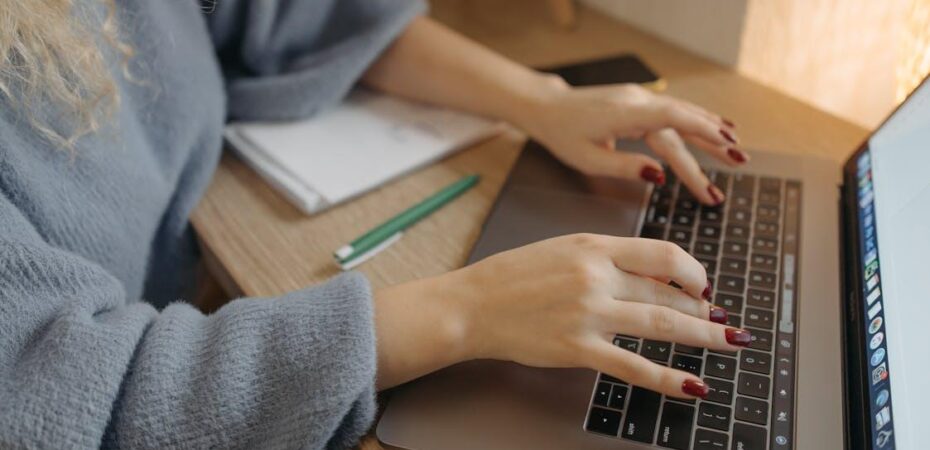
54,51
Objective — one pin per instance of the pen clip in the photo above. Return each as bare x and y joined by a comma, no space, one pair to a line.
352,263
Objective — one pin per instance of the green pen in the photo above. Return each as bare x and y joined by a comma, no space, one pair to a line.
382,236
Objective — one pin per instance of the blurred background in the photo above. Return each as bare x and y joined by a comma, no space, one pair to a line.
856,59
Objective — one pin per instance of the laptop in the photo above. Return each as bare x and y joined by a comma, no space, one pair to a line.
823,262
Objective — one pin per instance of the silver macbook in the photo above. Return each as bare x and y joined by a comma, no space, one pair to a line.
822,261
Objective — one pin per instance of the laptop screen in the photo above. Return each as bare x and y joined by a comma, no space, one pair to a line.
893,175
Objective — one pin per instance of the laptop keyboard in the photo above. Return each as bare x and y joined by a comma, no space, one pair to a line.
749,246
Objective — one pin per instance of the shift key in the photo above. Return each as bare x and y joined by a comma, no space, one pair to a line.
642,415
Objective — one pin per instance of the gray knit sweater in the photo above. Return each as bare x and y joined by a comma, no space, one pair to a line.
96,248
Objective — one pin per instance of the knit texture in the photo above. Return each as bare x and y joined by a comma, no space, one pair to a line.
96,250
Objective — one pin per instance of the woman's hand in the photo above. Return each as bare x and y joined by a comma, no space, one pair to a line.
559,303
580,125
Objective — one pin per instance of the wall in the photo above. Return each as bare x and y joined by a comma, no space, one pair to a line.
853,58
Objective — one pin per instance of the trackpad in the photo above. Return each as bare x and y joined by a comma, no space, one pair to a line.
528,214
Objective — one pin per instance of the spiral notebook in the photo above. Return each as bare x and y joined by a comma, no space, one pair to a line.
357,146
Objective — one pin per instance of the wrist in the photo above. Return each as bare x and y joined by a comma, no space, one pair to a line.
530,100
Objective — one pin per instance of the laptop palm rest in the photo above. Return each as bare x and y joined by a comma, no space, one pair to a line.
503,405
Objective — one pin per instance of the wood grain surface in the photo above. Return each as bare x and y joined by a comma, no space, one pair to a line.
257,244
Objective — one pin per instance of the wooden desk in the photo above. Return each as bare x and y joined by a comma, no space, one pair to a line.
258,245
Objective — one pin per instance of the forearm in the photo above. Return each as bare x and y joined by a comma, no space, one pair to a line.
433,64
420,328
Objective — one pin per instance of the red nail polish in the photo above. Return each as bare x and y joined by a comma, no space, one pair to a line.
718,315
726,135
707,291
653,175
739,337
728,122
715,194
737,155
695,388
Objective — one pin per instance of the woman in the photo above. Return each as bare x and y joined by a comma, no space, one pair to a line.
109,132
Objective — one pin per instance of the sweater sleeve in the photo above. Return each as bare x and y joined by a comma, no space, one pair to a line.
82,366
287,59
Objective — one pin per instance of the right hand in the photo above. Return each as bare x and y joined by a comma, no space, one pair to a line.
559,303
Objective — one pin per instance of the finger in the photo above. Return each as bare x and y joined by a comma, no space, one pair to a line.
659,259
600,160
716,118
668,144
728,154
639,371
666,112
666,324
639,289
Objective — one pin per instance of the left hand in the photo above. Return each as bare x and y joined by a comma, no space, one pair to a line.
580,125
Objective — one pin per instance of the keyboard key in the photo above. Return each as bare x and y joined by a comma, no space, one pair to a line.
738,249
769,184
675,426
749,410
761,340
737,232
755,361
714,416
748,437
656,350
760,298
762,279
740,215
679,236
687,363
744,183
764,245
769,197
706,248
766,229
741,200
759,318
730,283
709,440
657,216
683,219
753,385
721,180
719,391
603,421
687,349
711,214
626,344
765,262
688,203
767,213
710,266
641,416
732,303
733,265
653,232
734,321
709,232
602,394
720,367
617,397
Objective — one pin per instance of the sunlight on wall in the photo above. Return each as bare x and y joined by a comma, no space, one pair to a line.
914,58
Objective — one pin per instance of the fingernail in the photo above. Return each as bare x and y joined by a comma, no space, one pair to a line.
653,175
707,291
715,194
737,155
726,135
695,388
728,123
739,337
718,315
